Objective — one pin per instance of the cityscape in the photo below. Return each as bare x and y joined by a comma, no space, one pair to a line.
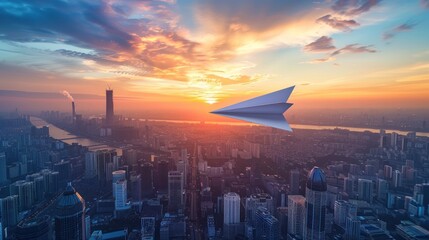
106,131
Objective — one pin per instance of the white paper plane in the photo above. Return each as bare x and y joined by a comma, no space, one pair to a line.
266,110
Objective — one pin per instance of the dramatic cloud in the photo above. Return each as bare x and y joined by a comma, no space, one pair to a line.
340,24
354,7
401,28
322,44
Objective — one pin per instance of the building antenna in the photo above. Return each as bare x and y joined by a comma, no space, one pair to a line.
108,85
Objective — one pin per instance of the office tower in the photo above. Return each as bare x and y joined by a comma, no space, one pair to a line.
394,140
342,210
25,192
70,215
267,226
147,179
365,190
117,176
296,210
147,228
352,228
109,107
3,176
136,187
397,179
120,187
9,210
388,170
383,187
182,167
163,175
315,205
104,165
253,203
35,229
90,165
231,208
175,191
349,185
172,227
211,228
294,182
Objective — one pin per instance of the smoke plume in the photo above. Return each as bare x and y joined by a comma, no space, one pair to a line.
67,94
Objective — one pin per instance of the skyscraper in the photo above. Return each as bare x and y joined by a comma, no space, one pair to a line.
117,176
382,188
109,106
136,187
365,190
397,179
231,208
343,209
120,187
252,204
70,215
104,165
9,210
175,191
147,228
25,192
294,182
267,226
296,207
147,179
3,176
315,205
35,229
352,228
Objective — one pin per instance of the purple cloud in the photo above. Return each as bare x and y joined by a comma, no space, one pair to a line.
340,24
353,48
401,28
424,4
354,7
322,44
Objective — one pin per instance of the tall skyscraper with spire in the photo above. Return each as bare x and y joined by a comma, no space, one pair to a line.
109,106
315,205
70,215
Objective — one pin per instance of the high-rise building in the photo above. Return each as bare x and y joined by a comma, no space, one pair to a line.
136,187
175,191
382,188
296,210
172,227
90,165
3,176
394,140
162,183
315,205
267,226
109,107
25,192
104,165
117,176
120,187
231,208
35,229
294,182
147,179
352,228
343,209
388,171
365,190
147,228
9,210
70,215
254,202
397,179
349,185
211,228
1,230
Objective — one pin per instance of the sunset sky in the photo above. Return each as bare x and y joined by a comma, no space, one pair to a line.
205,54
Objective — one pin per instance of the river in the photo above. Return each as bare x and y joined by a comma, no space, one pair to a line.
69,138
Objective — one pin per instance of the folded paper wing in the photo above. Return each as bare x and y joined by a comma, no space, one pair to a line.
267,109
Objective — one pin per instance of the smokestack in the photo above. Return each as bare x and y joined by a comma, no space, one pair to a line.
73,113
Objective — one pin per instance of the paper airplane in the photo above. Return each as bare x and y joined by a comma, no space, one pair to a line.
266,110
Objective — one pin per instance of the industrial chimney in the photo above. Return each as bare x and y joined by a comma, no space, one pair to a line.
73,113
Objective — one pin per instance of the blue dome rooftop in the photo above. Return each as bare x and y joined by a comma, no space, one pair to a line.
316,180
